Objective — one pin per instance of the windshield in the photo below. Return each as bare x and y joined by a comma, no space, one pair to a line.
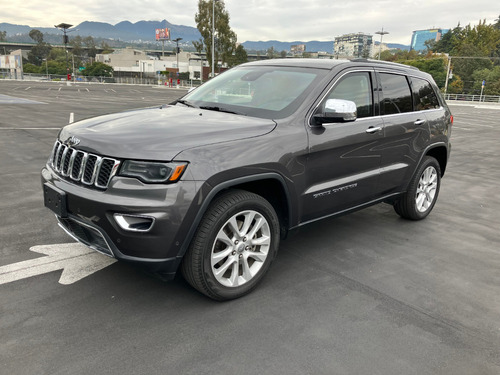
259,91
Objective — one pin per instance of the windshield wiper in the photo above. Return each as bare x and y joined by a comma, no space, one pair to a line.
220,109
185,102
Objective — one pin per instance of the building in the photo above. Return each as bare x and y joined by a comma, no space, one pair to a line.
135,63
419,37
379,48
354,45
122,57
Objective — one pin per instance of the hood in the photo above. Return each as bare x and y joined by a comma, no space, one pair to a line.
161,133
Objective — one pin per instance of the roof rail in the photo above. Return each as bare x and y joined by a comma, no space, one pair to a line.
372,61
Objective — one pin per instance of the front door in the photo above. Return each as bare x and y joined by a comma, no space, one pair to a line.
343,163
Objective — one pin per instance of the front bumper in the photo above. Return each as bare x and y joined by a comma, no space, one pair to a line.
90,217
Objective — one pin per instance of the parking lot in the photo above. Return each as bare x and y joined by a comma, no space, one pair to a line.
367,293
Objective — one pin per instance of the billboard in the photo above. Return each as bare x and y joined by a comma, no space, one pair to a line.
10,62
163,34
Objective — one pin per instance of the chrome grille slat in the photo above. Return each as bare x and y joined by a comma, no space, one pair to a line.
83,167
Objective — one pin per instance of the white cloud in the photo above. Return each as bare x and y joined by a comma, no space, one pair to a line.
268,19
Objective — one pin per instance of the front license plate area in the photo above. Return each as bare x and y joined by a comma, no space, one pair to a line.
55,200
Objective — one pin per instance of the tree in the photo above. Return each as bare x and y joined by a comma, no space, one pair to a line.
445,44
98,69
240,56
492,78
496,25
77,43
198,46
90,45
3,36
387,55
36,35
456,86
225,37
485,39
435,66
31,68
39,51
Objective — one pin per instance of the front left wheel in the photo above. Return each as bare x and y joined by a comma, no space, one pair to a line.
233,247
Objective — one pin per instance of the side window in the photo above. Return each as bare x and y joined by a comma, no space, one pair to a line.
357,88
397,94
423,95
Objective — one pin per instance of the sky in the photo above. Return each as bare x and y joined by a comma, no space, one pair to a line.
263,20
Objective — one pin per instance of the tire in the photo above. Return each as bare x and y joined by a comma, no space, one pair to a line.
422,192
233,247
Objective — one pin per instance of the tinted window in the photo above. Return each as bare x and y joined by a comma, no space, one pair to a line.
396,92
357,88
424,95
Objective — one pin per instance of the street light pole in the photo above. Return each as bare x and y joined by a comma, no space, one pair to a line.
177,54
213,36
64,27
381,33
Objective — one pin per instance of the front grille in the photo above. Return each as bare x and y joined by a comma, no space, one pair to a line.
86,235
82,167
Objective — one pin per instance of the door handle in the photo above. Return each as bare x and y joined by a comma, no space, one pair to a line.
372,130
419,122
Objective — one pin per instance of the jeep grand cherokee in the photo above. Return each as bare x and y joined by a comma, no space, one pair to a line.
210,183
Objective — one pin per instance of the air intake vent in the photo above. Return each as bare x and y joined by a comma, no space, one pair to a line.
81,167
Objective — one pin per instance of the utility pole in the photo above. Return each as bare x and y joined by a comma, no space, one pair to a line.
47,67
381,33
447,76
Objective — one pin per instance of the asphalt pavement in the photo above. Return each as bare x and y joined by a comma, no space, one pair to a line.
367,293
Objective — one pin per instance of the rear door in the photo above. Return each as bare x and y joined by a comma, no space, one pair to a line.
406,132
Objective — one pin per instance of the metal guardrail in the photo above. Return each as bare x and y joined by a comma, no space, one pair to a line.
473,98
150,81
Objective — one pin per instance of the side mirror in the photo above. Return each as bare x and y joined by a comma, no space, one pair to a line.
337,110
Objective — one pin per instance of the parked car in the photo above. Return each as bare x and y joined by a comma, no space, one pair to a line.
211,183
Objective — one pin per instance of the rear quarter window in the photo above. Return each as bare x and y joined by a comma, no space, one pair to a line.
424,96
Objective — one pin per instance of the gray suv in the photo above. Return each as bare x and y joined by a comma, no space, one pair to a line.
211,183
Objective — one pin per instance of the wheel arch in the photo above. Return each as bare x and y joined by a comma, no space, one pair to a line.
271,186
440,153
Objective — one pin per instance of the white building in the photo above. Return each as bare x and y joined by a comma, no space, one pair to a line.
354,45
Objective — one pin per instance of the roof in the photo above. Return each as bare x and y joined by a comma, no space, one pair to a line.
326,63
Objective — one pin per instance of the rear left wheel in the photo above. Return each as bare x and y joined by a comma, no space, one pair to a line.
422,192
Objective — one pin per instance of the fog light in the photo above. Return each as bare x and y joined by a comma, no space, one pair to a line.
134,223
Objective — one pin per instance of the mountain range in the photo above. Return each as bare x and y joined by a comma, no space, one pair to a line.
144,32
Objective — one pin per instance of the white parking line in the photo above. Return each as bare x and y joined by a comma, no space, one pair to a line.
30,128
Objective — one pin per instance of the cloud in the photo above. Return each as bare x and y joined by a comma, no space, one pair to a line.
268,19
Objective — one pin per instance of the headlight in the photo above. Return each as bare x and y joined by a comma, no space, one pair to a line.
153,172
